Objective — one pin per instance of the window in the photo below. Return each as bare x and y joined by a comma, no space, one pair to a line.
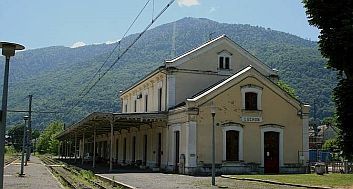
146,103
160,99
226,66
221,62
250,101
125,107
135,105
224,60
251,97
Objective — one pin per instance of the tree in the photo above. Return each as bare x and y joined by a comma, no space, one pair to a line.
16,134
335,21
47,142
290,90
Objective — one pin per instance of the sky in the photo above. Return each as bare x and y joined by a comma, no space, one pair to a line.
74,23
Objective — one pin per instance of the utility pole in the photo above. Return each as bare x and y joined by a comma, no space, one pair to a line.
29,136
8,50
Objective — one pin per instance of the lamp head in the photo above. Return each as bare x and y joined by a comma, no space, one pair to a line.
26,117
213,108
8,49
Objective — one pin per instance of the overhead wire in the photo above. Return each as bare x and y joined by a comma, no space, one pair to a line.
84,93
115,47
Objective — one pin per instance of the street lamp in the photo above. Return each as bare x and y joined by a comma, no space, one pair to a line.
8,50
23,144
213,113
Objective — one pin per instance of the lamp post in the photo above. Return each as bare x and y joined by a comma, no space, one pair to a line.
8,50
213,113
23,145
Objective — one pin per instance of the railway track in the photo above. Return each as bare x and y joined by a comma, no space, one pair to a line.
10,160
71,176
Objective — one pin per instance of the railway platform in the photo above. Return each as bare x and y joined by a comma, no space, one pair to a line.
36,176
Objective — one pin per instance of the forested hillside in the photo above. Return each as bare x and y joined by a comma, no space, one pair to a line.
56,75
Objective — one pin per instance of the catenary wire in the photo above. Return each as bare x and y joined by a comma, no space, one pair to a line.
119,57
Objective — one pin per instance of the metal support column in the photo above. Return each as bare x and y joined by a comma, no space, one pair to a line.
70,145
59,148
29,134
75,146
83,147
67,150
111,146
213,152
94,148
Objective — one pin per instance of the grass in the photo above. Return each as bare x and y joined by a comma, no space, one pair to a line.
10,153
332,180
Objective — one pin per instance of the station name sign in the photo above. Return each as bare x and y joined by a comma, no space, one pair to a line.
251,119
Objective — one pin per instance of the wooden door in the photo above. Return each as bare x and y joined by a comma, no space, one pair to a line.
133,155
144,150
271,152
232,145
177,143
159,150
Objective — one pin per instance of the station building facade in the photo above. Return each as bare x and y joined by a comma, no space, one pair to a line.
166,118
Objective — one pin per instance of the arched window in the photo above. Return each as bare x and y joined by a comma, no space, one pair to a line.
251,97
250,101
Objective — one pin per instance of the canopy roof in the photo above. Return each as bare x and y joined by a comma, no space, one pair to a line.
101,122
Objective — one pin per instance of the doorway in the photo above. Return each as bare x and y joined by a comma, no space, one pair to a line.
232,145
144,150
177,144
159,150
271,152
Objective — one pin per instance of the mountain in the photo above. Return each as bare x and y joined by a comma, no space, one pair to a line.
56,75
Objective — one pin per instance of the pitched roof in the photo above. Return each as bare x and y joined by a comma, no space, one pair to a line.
208,91
217,86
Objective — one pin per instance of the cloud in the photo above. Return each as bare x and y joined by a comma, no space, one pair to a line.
212,9
78,44
188,3
111,42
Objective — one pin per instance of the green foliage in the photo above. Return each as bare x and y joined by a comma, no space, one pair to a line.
290,90
56,75
329,180
331,145
10,150
332,121
16,134
344,103
47,142
335,21
35,134
87,174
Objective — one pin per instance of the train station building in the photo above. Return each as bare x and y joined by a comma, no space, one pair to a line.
166,118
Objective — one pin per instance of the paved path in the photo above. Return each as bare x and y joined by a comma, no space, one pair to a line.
37,176
169,181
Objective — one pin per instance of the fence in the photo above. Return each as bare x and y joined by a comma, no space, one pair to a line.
325,157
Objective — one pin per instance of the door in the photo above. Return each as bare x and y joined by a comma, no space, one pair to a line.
271,152
133,155
117,151
177,142
124,151
159,150
232,145
144,150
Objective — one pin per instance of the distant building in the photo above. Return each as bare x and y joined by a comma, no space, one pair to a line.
166,120
324,132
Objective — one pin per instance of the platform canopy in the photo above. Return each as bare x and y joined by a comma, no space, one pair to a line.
101,122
